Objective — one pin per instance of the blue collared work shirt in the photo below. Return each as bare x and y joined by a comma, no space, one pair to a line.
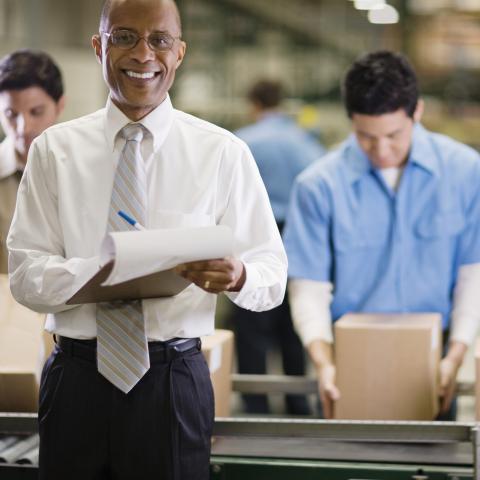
387,251
282,150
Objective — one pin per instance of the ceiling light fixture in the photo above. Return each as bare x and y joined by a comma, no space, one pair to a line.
384,16
369,4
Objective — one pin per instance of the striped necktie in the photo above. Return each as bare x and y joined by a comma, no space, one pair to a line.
122,348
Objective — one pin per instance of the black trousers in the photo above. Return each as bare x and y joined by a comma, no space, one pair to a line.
90,430
255,334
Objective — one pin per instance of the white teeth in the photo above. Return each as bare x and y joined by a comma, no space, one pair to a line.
140,75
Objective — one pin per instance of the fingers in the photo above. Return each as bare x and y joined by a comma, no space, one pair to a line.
446,397
215,265
446,401
448,374
327,406
329,392
210,281
213,276
328,397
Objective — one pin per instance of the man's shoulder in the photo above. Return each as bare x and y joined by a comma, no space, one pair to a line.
275,129
326,169
85,122
250,133
200,127
452,151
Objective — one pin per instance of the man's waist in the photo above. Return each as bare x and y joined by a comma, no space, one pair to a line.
80,323
160,351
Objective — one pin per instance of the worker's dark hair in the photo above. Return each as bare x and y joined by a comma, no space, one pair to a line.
28,68
266,93
380,82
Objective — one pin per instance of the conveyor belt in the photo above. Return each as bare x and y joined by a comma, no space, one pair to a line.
18,446
431,446
422,444
317,449
22,450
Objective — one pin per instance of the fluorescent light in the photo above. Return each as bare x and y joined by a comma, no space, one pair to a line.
425,7
468,5
386,15
369,4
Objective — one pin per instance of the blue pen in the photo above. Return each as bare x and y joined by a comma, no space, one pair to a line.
131,221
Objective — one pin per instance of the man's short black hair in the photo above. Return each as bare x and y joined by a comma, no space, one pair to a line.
28,68
266,93
380,82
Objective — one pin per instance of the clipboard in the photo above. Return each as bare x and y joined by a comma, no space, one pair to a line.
165,283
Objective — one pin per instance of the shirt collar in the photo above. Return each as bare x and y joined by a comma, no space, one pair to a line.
8,158
274,118
357,161
421,154
158,122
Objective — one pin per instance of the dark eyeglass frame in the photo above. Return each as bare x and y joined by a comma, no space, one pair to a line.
140,37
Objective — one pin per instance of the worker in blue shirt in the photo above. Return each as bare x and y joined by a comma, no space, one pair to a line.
282,150
388,222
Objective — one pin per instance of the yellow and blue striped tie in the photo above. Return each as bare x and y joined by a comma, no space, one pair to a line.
122,348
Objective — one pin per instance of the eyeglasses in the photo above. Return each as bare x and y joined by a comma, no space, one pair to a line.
126,40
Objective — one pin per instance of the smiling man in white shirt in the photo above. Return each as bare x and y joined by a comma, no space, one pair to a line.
196,175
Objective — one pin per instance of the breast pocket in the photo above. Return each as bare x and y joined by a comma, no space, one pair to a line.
360,238
440,225
174,219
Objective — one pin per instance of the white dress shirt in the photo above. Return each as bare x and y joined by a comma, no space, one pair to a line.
310,300
198,175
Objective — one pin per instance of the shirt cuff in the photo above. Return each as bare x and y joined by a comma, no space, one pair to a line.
464,329
465,315
246,297
310,306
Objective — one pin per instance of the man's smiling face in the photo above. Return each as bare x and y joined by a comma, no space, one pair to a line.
139,78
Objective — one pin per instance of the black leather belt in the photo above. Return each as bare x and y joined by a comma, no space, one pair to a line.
160,352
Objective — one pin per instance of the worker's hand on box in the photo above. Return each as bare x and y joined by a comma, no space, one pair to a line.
215,276
448,382
327,389
449,367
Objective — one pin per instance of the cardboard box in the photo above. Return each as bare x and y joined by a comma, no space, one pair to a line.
218,352
23,349
477,380
388,366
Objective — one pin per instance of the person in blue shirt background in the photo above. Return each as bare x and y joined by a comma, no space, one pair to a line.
282,150
388,222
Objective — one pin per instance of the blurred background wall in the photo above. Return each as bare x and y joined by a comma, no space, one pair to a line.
307,44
